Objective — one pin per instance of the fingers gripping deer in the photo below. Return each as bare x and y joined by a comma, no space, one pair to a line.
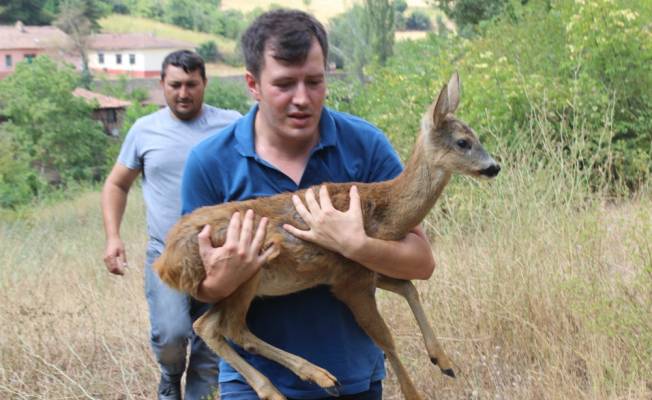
390,209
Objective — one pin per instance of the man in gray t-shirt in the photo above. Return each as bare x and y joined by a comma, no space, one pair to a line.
157,146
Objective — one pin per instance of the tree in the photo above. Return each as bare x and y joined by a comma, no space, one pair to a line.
468,13
50,128
380,21
30,12
349,41
75,21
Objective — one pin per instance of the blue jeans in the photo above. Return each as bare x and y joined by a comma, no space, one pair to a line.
171,314
236,390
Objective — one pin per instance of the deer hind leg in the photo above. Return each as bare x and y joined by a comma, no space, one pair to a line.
407,290
233,326
357,292
208,327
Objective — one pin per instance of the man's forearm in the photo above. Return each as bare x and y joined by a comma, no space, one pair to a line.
114,202
409,258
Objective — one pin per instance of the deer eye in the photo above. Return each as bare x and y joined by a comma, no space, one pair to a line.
463,144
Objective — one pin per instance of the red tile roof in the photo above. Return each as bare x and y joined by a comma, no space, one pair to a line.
19,36
128,41
103,100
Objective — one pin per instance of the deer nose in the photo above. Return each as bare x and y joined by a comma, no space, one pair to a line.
491,171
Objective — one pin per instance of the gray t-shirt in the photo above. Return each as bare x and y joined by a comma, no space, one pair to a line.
158,144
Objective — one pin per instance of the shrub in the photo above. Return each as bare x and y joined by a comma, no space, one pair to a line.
418,21
209,52
227,94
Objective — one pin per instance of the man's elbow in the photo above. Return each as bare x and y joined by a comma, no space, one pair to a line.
426,269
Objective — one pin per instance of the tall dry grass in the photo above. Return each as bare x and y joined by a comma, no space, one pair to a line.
543,291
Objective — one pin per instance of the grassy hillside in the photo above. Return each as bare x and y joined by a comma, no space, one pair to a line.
124,24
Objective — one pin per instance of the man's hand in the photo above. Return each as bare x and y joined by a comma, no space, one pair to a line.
237,260
342,232
115,257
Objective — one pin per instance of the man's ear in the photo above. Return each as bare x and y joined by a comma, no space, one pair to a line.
252,85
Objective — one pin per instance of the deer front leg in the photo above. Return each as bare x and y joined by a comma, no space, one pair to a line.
233,326
407,290
357,292
208,328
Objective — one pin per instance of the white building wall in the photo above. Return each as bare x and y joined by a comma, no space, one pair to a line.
146,59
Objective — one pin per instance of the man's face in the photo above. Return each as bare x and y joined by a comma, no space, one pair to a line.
290,97
184,92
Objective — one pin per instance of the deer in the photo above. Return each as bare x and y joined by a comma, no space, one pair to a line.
445,145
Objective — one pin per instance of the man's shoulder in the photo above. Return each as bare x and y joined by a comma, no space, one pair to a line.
218,144
353,130
221,114
150,119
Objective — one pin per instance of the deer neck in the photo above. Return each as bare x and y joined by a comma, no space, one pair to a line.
416,190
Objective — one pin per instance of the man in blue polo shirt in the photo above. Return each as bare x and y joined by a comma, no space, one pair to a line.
290,141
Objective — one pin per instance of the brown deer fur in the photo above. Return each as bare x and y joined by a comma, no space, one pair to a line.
390,210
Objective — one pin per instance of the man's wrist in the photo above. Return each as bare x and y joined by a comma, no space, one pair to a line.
354,249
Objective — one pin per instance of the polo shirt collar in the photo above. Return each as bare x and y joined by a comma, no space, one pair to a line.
244,132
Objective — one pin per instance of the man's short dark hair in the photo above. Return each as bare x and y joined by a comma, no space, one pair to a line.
289,33
188,60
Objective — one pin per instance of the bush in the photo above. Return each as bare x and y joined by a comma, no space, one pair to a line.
209,52
227,94
418,21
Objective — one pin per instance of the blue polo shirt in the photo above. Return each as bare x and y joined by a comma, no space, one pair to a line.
312,323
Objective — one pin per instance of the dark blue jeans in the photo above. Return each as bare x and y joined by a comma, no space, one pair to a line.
236,390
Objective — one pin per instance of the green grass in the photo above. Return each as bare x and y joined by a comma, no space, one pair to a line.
116,23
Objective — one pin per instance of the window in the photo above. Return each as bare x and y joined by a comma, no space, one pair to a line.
132,59
100,58
30,57
118,58
111,116
8,61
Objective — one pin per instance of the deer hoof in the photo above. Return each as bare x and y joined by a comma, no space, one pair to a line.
333,391
449,372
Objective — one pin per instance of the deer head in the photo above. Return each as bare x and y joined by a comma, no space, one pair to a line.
451,144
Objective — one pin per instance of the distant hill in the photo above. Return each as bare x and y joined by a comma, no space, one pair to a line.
322,9
117,23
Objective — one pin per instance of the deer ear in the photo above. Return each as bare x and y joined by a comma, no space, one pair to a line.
453,92
440,108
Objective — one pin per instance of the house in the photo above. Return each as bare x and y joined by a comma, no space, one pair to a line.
108,110
19,42
138,55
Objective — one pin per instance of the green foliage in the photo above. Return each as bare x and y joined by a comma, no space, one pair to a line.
418,21
362,35
380,21
50,129
209,52
120,88
227,94
579,67
18,182
469,13
30,12
399,17
348,41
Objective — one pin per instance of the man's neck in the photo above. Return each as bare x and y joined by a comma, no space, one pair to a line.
194,117
289,157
